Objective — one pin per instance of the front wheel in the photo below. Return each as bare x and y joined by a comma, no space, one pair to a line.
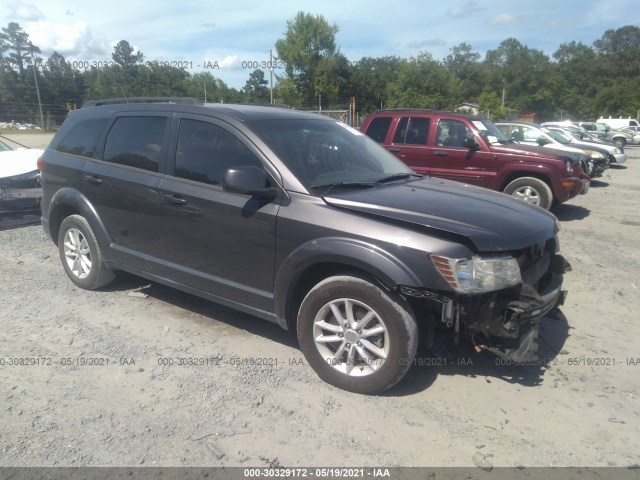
81,255
531,190
620,141
355,335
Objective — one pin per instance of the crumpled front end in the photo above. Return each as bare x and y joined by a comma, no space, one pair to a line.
504,322
20,192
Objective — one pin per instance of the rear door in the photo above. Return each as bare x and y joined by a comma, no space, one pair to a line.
123,187
215,241
450,159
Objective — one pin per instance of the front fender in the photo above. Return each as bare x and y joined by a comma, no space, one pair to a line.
354,254
67,201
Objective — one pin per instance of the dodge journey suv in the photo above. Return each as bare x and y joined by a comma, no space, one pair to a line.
303,221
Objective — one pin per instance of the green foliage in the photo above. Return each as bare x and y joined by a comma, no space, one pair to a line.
256,89
312,63
422,83
578,81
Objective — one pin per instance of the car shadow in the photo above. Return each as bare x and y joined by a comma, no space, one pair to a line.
598,184
444,358
617,166
203,308
13,219
568,212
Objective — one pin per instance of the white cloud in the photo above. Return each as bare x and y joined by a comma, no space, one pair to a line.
25,11
69,40
503,19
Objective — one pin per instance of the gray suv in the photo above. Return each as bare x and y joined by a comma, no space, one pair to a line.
303,221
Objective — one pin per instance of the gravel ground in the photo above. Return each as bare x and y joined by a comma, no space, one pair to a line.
138,374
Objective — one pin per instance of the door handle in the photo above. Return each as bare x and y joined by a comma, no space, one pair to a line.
394,149
175,200
440,153
93,179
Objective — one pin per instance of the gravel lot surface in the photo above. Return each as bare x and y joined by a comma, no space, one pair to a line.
138,374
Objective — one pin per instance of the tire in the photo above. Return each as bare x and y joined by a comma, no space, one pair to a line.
620,141
366,358
81,255
531,190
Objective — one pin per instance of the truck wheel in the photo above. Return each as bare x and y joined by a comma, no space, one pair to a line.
355,335
531,190
81,255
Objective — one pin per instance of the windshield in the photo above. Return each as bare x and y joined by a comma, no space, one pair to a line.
490,132
4,147
323,153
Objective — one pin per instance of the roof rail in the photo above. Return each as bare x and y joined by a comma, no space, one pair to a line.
111,101
425,110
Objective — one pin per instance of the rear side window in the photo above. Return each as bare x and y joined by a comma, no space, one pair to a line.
378,128
205,151
83,138
136,142
412,131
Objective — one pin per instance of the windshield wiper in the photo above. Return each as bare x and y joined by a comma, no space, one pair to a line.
331,186
399,176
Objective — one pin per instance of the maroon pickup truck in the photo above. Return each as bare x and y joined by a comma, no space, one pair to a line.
473,150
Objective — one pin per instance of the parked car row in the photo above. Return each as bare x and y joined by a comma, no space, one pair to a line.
473,150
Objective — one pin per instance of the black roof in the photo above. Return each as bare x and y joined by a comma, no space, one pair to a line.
241,112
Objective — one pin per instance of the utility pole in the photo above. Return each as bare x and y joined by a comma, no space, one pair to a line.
204,84
271,76
35,78
320,103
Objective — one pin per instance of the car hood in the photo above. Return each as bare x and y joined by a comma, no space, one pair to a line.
17,162
533,151
606,146
491,221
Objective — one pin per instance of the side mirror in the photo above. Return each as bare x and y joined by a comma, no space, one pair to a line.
471,144
248,180
542,141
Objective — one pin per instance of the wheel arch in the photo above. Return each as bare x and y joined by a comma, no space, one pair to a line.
514,175
68,201
319,259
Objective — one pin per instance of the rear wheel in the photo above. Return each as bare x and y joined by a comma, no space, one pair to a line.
81,255
531,190
355,335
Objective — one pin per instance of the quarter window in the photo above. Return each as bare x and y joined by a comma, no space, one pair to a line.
377,129
205,151
136,142
83,138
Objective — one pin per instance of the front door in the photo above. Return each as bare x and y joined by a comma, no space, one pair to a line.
218,242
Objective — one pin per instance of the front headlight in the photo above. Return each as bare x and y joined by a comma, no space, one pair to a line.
478,274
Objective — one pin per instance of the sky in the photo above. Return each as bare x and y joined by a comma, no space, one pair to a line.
230,38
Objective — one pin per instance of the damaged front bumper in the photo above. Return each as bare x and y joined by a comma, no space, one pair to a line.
20,191
505,323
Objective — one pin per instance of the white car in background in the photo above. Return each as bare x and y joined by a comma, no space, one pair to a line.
20,187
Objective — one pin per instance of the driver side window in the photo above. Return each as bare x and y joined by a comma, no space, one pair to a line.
205,151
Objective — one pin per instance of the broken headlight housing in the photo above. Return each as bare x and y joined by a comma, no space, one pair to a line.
478,274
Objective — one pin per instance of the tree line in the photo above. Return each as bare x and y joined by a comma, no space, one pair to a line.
577,81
